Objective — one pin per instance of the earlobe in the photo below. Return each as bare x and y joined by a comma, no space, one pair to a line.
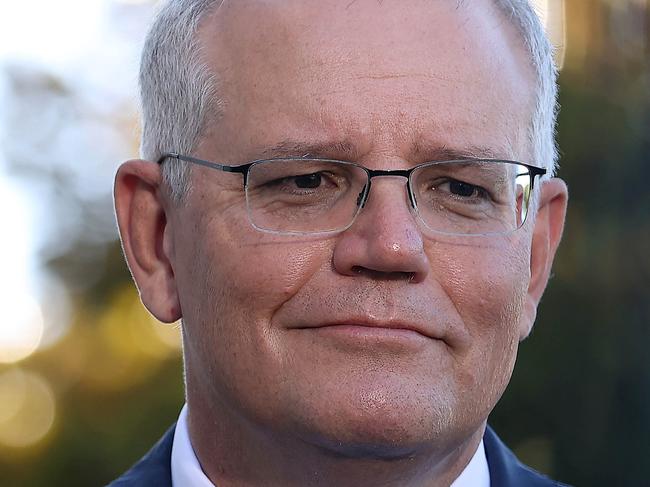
145,237
547,233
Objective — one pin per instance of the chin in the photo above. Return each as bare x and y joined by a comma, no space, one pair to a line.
392,432
379,444
370,451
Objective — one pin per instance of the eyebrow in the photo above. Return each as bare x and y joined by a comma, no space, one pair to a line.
290,148
347,150
425,153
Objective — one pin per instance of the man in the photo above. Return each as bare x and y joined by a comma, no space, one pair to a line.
351,301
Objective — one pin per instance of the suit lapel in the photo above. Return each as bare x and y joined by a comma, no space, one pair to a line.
506,470
154,469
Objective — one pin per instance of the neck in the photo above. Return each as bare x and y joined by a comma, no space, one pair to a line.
234,451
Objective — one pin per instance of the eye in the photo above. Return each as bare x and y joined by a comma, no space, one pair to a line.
460,188
308,180
463,190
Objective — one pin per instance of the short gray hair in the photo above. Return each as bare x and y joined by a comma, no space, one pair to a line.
178,90
542,129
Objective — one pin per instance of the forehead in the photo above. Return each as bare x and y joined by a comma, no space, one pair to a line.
398,74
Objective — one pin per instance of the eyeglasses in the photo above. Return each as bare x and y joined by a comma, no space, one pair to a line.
301,196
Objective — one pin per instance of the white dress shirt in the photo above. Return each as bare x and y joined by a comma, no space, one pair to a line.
187,472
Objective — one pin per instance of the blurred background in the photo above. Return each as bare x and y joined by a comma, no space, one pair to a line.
89,381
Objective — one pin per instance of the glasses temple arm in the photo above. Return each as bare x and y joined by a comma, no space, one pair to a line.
243,169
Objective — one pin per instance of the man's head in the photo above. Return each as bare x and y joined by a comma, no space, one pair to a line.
380,341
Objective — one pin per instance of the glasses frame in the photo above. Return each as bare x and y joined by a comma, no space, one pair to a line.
244,170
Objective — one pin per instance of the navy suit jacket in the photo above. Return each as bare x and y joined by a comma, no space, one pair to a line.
505,470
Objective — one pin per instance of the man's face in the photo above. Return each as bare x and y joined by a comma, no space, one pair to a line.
298,333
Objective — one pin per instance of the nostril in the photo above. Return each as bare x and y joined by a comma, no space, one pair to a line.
383,275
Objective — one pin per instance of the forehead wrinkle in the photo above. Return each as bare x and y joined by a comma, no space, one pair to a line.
410,75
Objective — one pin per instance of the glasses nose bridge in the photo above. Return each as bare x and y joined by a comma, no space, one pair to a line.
378,173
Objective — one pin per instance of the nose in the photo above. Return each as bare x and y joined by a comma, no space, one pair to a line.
385,241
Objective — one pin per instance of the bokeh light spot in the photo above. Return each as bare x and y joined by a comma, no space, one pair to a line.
129,345
27,408
21,328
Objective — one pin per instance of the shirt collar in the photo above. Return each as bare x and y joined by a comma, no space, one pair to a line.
476,473
186,469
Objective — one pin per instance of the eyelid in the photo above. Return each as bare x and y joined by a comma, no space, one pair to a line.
482,192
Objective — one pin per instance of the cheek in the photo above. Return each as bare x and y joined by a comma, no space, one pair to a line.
235,278
237,270
262,276
230,290
487,286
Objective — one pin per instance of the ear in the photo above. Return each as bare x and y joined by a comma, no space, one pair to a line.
547,232
145,237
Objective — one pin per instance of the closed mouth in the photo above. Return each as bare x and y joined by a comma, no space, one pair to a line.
378,329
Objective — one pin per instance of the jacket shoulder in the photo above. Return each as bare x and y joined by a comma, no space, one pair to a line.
507,471
154,469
